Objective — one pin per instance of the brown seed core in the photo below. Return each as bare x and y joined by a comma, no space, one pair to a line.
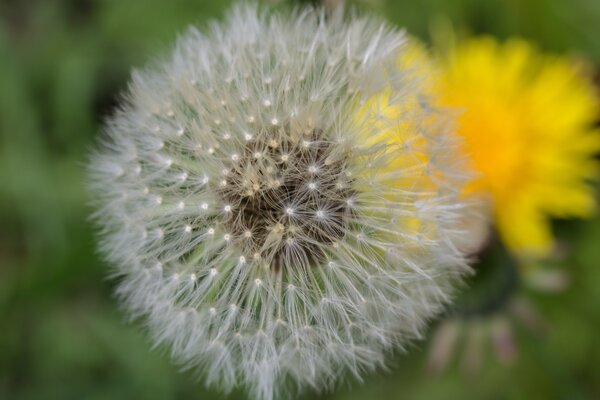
288,196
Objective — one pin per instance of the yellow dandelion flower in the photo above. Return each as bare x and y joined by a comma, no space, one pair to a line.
527,122
411,125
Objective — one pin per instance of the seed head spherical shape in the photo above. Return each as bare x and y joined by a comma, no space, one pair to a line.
280,199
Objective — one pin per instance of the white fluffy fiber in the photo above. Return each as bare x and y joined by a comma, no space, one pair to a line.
250,214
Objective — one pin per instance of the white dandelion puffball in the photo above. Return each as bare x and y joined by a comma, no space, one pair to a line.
280,199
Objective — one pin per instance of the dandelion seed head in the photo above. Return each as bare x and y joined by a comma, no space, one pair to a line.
291,259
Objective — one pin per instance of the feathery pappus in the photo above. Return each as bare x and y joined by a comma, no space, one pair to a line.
281,200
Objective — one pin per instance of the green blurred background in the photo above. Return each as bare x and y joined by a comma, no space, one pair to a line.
63,64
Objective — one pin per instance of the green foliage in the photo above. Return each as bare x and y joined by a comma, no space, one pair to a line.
63,64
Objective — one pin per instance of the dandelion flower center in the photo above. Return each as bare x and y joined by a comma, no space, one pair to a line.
276,211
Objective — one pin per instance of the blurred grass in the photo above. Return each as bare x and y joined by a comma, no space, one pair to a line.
63,64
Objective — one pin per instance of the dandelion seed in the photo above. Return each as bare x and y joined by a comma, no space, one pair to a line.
315,217
182,177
